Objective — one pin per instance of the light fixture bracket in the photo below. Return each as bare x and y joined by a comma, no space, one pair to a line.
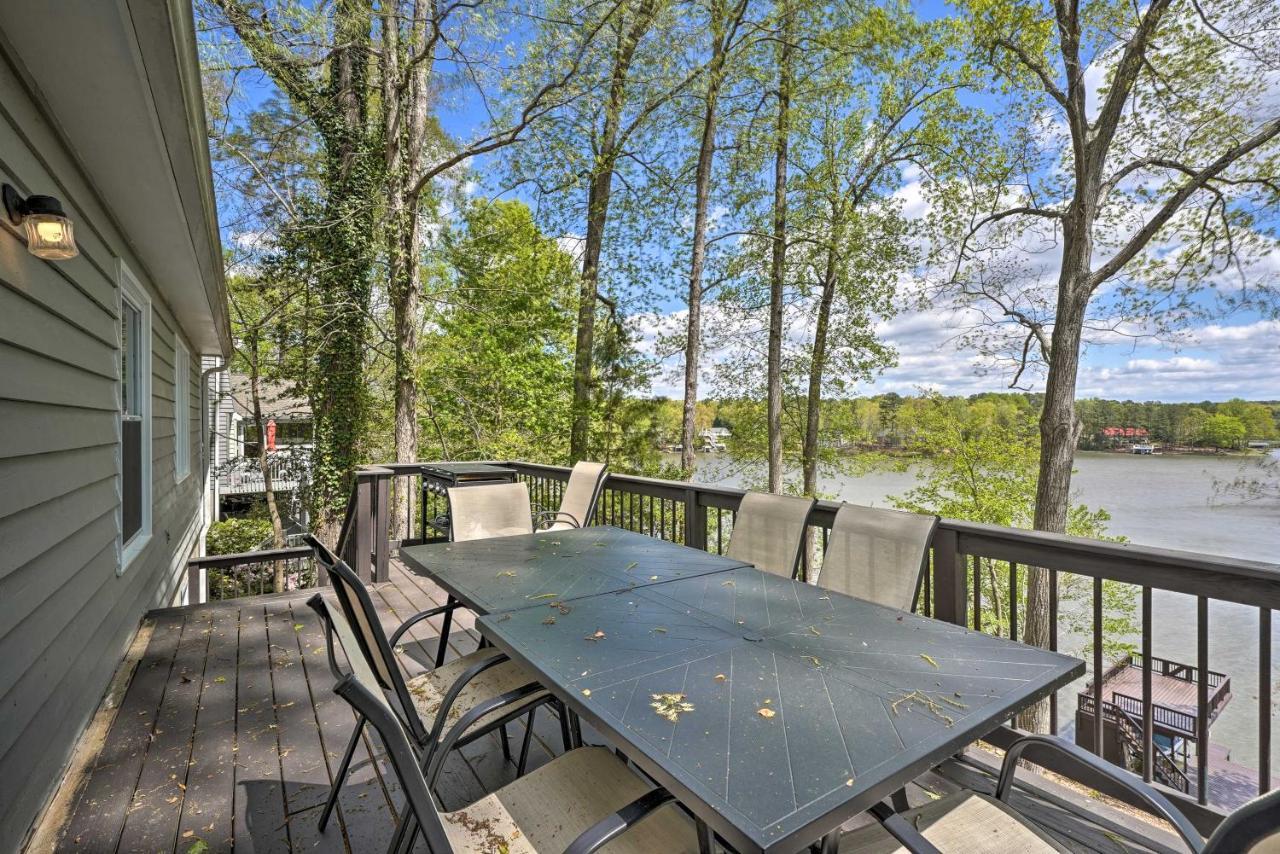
14,205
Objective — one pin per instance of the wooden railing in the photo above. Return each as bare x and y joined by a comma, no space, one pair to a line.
701,516
220,577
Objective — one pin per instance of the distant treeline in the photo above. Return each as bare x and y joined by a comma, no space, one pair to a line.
893,421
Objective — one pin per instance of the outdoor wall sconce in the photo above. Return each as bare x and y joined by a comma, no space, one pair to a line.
49,232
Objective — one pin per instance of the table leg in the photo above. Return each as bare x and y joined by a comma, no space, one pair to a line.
706,838
445,624
831,843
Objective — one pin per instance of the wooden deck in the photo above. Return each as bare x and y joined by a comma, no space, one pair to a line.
228,735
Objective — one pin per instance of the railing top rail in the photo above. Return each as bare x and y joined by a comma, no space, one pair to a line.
262,556
1138,564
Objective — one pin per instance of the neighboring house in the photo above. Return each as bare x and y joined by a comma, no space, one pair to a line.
102,450
238,477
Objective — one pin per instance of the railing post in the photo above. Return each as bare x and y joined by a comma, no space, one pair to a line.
197,594
950,590
381,528
695,521
360,529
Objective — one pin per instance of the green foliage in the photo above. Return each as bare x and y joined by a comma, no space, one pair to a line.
1222,431
981,466
497,360
237,534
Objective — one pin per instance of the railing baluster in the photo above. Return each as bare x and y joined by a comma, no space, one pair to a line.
1053,644
719,530
1202,699
1264,700
1097,666
1148,721
977,593
1013,601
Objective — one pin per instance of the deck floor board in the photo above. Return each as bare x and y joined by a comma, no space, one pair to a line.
236,700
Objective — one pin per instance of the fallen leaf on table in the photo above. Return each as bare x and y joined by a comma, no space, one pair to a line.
670,706
586,692
653,578
928,658
720,677
506,574
632,565
813,659
661,629
815,631
543,596
766,713
598,635
549,621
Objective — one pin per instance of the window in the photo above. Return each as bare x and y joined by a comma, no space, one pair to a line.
181,411
135,417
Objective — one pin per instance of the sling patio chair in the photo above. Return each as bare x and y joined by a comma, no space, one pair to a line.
577,803
578,504
430,701
768,532
971,822
877,554
492,510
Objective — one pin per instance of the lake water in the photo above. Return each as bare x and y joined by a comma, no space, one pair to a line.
1166,501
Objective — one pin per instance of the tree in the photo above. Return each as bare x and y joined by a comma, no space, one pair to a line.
497,364
1222,431
320,61
725,19
1167,203
982,461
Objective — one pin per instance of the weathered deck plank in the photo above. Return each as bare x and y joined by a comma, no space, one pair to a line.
265,741
99,813
152,822
206,808
259,807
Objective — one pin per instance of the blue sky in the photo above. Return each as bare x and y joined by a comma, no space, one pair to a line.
1237,356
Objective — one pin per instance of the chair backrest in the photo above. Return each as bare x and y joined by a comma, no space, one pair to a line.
768,531
360,688
493,510
586,482
367,633
877,554
1254,827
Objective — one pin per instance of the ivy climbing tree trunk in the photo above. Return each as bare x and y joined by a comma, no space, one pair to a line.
334,97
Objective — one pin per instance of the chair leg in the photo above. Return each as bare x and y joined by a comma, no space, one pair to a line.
342,773
899,800
706,839
566,737
575,726
444,634
528,738
406,833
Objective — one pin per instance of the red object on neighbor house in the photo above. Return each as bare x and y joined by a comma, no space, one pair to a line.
271,435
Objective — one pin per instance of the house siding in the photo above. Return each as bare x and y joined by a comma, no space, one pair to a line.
67,613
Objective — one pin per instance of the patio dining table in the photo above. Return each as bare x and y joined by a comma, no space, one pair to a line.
772,709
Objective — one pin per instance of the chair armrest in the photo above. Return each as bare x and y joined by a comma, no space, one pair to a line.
417,618
615,824
1158,803
902,830
441,751
450,696
550,517
317,604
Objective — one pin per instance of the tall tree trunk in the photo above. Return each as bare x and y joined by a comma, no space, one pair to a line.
264,463
1059,430
698,254
817,369
777,267
599,193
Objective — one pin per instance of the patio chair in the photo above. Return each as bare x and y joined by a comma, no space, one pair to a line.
578,504
877,554
768,532
493,510
577,803
971,822
430,701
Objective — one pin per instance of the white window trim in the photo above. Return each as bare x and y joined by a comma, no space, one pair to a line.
181,411
132,290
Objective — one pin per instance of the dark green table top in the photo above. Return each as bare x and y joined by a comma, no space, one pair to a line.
807,707
505,573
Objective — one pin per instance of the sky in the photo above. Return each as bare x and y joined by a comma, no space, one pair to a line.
1235,356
